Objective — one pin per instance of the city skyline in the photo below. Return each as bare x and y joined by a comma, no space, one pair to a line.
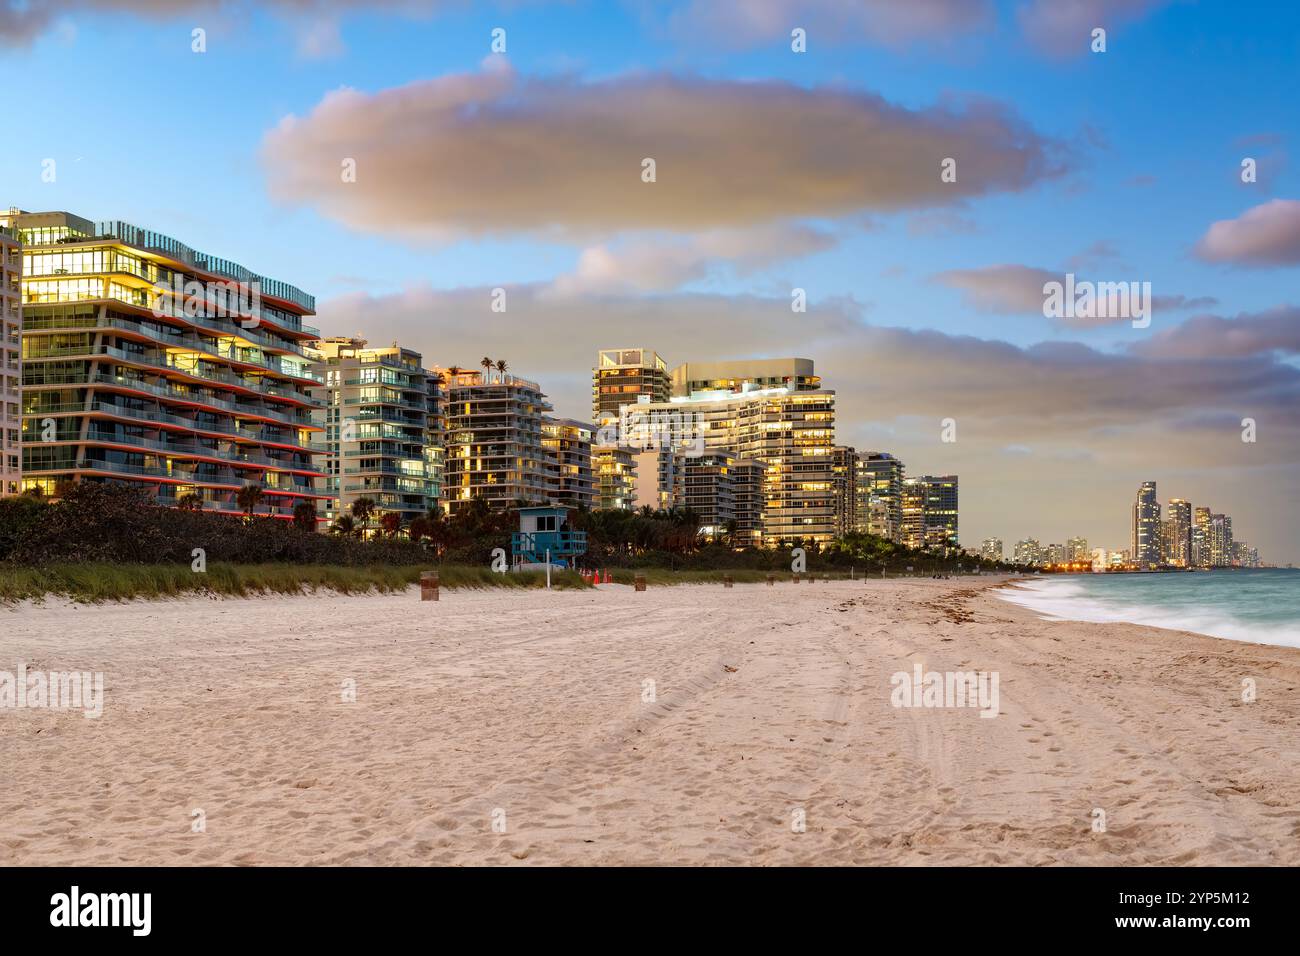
920,301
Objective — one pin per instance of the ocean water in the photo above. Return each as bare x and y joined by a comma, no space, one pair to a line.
1258,605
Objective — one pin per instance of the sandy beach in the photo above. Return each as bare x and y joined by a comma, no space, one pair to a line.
531,713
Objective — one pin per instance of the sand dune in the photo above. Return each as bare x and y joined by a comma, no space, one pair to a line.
526,709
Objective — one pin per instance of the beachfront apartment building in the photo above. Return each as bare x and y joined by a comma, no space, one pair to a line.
11,324
725,492
788,429
615,472
569,477
1077,551
147,362
380,421
991,549
844,471
494,440
623,377
795,374
880,495
930,513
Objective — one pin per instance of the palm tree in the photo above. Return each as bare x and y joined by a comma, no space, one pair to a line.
390,523
362,509
248,498
304,516
501,368
344,525
487,368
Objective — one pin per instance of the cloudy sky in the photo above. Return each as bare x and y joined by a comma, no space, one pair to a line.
775,170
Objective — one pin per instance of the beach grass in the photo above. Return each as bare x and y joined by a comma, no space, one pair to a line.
96,582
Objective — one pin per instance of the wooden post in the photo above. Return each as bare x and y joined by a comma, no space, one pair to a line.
428,585
726,580
771,579
639,581
794,577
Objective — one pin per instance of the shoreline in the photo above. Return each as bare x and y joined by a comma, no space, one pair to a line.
766,701
1109,609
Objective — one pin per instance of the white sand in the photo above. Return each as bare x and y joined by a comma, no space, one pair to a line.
531,703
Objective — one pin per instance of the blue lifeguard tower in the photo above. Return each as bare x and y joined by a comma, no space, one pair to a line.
543,530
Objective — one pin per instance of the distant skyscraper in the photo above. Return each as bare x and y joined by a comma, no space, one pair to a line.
1027,552
1201,537
1179,548
1220,538
991,549
1146,527
1078,550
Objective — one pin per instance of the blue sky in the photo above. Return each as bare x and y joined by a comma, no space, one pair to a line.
1153,132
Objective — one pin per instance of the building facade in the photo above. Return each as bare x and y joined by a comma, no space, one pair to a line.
624,377
1201,537
1028,552
991,549
569,476
380,431
494,441
11,324
1178,548
615,473
791,435
930,514
844,472
149,363
880,495
1144,543
740,375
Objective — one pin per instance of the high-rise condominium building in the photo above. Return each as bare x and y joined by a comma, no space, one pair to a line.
147,362
621,377
614,470
494,440
1178,551
1145,539
1078,550
568,468
1201,537
1220,538
880,495
1028,552
380,429
788,429
723,491
991,549
11,304
929,506
743,375
844,470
